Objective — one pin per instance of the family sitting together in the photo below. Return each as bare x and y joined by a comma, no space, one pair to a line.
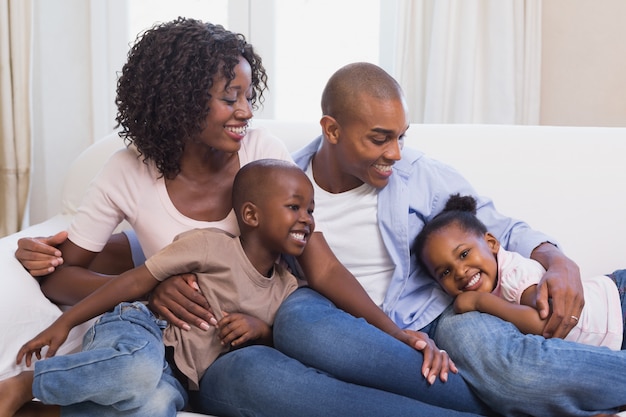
253,286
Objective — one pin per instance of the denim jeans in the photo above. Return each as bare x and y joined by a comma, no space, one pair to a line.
619,277
121,370
521,375
345,367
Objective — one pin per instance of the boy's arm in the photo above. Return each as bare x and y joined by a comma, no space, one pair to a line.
325,274
129,286
524,317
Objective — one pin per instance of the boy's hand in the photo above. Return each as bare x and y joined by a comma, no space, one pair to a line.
53,337
436,362
237,329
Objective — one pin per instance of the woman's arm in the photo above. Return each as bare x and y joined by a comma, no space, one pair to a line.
40,256
560,293
72,281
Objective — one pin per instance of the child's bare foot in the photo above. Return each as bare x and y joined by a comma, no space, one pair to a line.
37,409
15,392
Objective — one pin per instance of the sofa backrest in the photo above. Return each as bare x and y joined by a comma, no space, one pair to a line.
565,181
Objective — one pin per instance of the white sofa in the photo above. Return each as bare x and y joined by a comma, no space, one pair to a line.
566,181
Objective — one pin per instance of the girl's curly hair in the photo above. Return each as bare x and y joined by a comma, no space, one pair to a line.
163,91
458,209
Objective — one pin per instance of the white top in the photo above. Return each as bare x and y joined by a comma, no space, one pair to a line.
600,323
129,189
350,222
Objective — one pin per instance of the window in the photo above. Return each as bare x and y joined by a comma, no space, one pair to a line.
301,42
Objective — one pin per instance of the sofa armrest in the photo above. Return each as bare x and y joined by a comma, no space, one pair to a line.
23,307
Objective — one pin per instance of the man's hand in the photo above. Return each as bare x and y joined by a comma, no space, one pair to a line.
436,361
179,301
39,255
559,293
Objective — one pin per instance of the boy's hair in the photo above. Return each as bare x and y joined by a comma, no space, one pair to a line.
163,91
458,209
254,180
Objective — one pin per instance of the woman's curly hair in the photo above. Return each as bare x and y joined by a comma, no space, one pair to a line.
163,91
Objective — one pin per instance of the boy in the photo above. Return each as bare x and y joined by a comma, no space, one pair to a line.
273,202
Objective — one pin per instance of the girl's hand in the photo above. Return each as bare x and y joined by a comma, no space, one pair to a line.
237,329
436,361
179,301
39,255
468,301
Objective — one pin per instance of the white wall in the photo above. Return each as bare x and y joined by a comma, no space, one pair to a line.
583,63
61,91
74,49
584,77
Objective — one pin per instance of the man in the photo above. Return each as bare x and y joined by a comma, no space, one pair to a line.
360,153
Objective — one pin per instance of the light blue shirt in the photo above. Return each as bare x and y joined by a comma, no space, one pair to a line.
418,190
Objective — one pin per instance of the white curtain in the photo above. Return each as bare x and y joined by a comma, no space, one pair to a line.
470,61
15,53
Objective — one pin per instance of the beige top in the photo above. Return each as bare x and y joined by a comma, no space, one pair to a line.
229,282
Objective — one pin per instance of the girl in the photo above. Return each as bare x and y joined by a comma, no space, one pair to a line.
468,262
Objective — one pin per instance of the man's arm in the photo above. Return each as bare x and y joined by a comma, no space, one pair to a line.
560,297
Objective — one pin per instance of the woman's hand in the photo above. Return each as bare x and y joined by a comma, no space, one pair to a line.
436,361
179,301
39,255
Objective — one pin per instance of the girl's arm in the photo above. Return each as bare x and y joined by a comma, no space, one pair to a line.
525,317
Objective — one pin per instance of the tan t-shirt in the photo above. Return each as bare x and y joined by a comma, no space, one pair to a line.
228,281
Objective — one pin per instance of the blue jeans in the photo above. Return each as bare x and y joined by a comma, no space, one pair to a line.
521,375
619,277
344,367
120,372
